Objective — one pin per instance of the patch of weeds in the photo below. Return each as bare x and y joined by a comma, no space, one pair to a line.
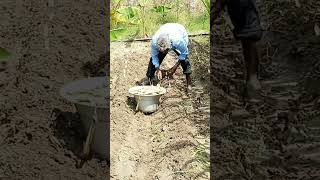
186,106
158,133
202,154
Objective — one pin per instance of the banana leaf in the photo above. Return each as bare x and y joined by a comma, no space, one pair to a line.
116,33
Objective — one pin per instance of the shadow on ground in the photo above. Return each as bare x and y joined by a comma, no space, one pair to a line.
68,131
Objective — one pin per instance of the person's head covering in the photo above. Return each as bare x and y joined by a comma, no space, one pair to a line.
163,42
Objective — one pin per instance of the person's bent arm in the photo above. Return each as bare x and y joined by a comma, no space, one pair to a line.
182,47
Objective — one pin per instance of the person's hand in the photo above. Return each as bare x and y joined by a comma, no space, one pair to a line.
159,74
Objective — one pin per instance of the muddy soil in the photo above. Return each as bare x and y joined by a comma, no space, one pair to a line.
173,142
277,138
53,43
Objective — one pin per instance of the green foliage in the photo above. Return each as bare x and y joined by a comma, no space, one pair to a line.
143,2
202,155
131,14
4,54
116,33
144,17
163,10
115,17
206,4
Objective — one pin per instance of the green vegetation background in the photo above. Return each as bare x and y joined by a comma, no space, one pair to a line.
130,19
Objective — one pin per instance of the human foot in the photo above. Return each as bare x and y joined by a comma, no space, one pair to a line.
188,89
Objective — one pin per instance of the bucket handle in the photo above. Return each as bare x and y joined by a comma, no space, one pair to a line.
138,103
86,152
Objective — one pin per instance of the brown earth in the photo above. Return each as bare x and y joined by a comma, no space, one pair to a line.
277,138
160,145
53,43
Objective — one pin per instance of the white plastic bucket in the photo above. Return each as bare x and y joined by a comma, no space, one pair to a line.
100,144
147,103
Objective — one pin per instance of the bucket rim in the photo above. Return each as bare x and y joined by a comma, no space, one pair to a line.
147,95
64,93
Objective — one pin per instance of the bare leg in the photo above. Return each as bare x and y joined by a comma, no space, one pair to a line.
251,58
188,78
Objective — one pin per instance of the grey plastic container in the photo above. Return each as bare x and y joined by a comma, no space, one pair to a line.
100,144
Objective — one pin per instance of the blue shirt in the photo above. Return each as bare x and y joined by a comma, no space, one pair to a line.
179,41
